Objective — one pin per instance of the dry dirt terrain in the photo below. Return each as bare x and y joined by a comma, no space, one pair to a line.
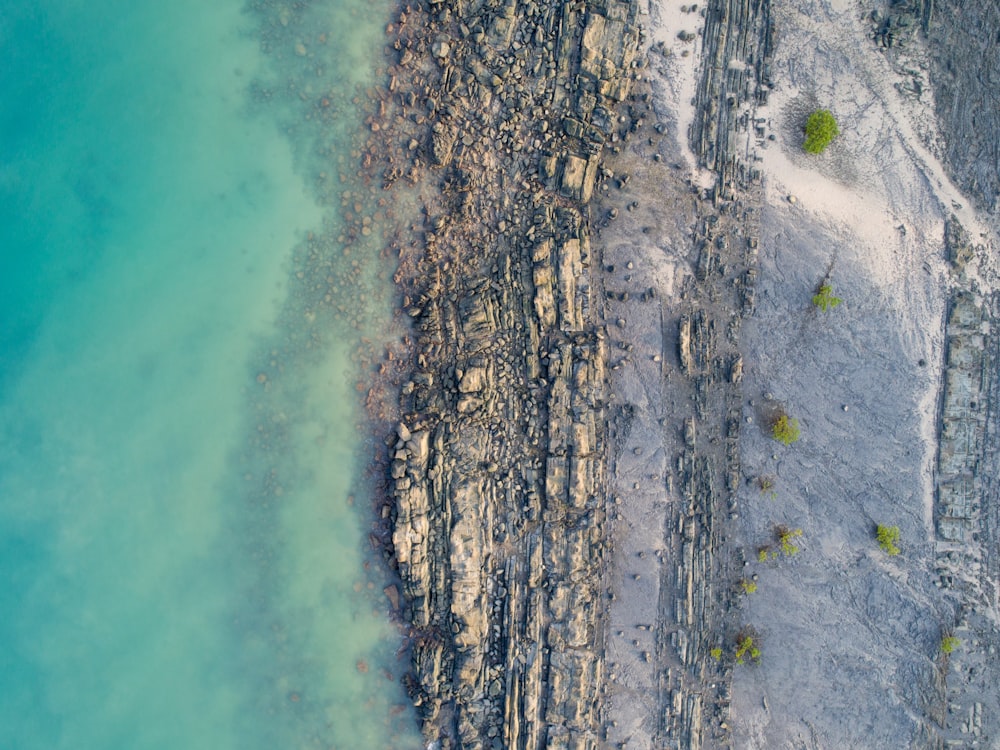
850,636
852,655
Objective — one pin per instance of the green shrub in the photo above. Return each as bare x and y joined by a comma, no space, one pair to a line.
824,298
748,586
821,128
716,653
888,538
785,430
949,643
746,647
785,537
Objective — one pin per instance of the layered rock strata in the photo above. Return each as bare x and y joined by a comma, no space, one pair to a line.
706,475
965,53
501,116
499,113
967,500
735,79
696,598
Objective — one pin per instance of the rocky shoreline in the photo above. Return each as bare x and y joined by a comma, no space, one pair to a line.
499,117
500,123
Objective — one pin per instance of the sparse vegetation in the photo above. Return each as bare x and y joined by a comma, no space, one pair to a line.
748,586
766,485
821,128
824,299
747,648
888,538
949,643
784,429
716,653
785,536
765,553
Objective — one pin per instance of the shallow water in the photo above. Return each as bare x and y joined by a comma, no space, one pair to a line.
182,560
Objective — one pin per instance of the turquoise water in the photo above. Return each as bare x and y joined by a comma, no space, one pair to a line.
182,561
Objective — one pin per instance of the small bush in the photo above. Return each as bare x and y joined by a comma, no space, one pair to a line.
766,485
747,648
824,298
748,586
821,128
785,537
888,538
716,653
949,643
785,430
765,553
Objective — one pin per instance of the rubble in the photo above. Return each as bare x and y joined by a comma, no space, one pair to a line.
500,464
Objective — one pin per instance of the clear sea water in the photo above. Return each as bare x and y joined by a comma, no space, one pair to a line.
182,563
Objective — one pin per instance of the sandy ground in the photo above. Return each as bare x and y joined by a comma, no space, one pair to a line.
850,635
677,33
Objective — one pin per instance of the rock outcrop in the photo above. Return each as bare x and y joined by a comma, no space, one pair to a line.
965,55
967,499
501,112
735,78
696,594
